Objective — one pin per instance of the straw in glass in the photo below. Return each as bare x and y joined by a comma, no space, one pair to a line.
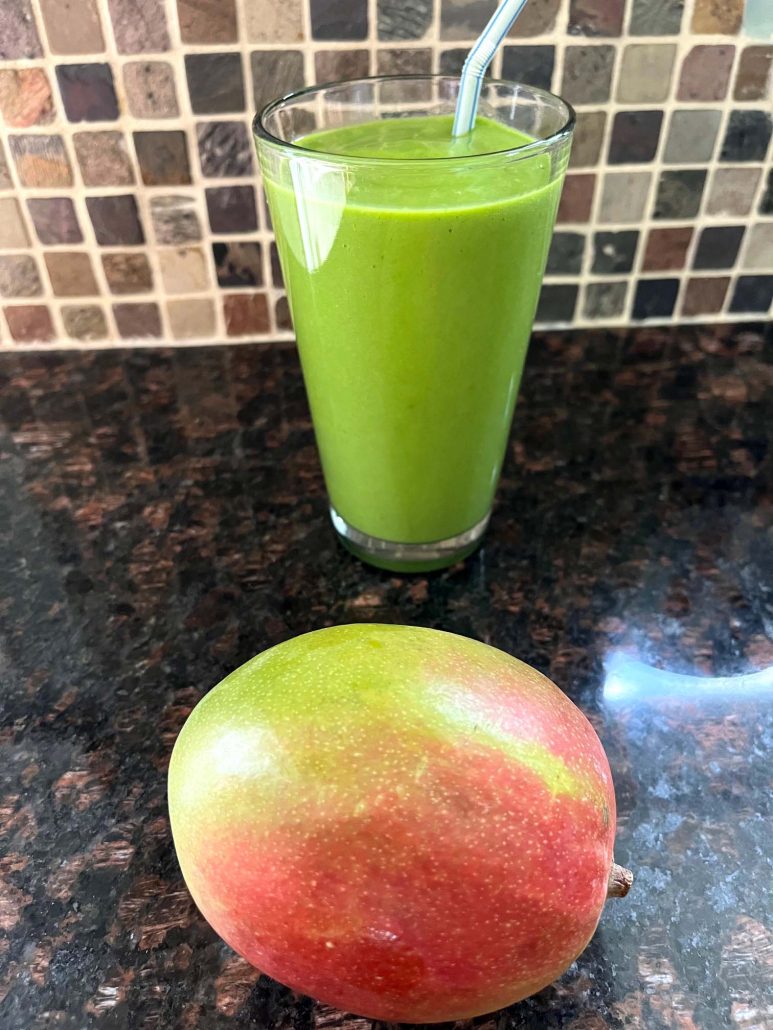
478,60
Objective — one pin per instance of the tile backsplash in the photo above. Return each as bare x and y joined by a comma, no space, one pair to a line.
130,208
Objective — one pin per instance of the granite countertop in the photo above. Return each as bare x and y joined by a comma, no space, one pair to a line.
163,519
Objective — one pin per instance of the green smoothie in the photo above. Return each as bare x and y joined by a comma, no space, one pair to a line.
413,286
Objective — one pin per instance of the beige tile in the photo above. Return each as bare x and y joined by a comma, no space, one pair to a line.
72,26
624,196
759,248
732,191
13,232
646,73
269,21
184,270
192,318
71,273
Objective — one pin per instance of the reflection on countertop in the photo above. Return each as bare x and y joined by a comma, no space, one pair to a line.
163,518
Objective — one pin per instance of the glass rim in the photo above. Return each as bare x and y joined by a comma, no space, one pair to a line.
536,146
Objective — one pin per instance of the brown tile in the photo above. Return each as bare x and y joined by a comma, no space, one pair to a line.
41,161
238,264
137,321
753,77
333,65
667,249
537,18
706,73
103,158
139,26
84,321
624,197
759,247
19,276
246,314
72,26
277,276
18,32
646,72
282,315
215,83
717,16
116,220
30,323
70,273
192,318
340,19
127,272
269,22
231,209
207,21
704,296
25,97
174,219
274,73
404,62
13,232
150,89
596,17
733,191
588,73
576,198
55,220
88,93
163,158
184,270
588,136
635,136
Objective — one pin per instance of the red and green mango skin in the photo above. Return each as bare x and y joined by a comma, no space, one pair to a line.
404,823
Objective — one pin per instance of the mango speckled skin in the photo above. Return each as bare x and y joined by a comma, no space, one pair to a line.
404,823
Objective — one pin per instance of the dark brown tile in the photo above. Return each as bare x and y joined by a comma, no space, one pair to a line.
758,252
274,73
215,83
72,26
19,276
231,209
277,276
576,198
718,247
207,21
70,273
87,92
334,65
706,73
139,26
175,219
635,136
225,149
18,32
270,22
238,264
530,64
450,61
13,232
339,19
137,321
666,249
588,73
596,17
103,158
588,136
41,161
25,97
29,323
397,20
127,272
404,62
705,296
55,220
753,78
150,89
163,157
537,18
246,314
282,315
717,16
84,321
116,220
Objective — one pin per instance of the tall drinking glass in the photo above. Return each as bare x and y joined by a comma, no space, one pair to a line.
413,265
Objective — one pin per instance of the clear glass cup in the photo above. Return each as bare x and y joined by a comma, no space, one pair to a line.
412,285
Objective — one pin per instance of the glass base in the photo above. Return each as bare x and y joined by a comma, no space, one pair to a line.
396,557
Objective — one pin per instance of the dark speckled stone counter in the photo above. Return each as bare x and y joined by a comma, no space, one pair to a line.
163,518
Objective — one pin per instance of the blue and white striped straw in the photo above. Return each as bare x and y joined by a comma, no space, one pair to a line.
478,60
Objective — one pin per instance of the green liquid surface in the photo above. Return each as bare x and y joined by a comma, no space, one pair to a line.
413,288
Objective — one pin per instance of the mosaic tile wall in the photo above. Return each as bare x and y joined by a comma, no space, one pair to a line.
130,208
